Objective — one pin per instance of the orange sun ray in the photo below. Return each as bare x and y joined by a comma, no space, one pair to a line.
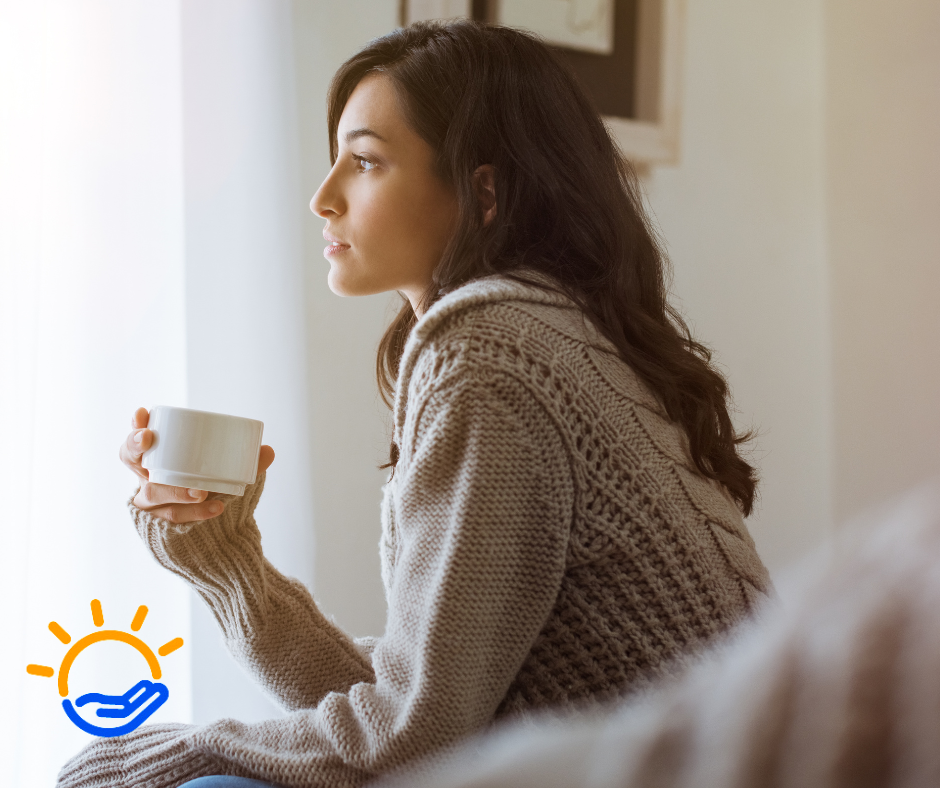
60,633
139,617
169,648
96,614
40,670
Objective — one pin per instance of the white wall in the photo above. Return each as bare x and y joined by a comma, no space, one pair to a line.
245,304
883,116
348,433
743,217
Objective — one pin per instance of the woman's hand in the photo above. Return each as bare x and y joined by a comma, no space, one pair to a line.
176,504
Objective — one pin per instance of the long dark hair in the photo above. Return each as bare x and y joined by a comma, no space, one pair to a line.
568,204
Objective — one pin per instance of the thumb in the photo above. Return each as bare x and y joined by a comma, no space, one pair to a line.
265,458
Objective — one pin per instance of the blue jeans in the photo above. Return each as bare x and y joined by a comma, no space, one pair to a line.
226,782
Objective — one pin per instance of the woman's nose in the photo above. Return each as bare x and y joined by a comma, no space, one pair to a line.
326,201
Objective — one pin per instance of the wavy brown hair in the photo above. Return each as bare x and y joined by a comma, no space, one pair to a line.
568,204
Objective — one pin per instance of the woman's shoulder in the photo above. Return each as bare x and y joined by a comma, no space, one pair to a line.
489,322
508,301
525,327
500,311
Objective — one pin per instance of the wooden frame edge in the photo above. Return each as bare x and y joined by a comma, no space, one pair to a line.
654,138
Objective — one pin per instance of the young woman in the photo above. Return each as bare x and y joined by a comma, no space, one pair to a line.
563,518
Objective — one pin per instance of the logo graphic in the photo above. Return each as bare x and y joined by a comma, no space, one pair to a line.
142,700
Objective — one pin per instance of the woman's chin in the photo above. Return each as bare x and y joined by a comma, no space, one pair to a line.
338,283
342,284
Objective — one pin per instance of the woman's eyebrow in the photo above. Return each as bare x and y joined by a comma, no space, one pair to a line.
355,134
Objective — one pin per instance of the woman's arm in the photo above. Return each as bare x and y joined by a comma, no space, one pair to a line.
270,622
483,502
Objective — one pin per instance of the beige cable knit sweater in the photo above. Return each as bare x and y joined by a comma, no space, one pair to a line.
546,540
837,687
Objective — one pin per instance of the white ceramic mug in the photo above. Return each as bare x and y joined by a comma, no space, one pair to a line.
202,450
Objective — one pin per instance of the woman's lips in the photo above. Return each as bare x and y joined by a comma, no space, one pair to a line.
335,249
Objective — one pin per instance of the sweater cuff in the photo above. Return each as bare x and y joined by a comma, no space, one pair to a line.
155,756
221,557
239,509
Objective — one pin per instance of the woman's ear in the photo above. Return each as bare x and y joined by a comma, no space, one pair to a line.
484,183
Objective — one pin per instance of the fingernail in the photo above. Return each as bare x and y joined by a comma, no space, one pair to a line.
195,493
215,507
139,437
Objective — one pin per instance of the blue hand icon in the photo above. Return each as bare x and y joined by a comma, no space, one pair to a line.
137,698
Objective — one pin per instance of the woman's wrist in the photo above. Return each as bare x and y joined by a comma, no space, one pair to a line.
201,550
220,558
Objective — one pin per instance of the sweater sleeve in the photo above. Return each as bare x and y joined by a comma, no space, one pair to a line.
483,502
269,622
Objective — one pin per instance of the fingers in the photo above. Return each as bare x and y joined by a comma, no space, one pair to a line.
183,513
137,443
177,504
265,458
132,451
160,494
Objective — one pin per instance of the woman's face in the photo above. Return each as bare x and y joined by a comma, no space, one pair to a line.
388,215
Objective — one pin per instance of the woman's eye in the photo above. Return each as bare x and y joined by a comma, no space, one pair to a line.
364,164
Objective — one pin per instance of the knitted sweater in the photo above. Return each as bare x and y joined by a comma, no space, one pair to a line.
837,687
546,541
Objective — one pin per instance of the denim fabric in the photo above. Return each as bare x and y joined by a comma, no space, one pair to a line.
226,782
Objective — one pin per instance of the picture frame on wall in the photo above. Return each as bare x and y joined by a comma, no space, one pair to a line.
626,54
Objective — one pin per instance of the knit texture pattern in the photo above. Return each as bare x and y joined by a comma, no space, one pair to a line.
546,541
838,686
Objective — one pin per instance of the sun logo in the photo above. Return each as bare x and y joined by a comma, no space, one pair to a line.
143,699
